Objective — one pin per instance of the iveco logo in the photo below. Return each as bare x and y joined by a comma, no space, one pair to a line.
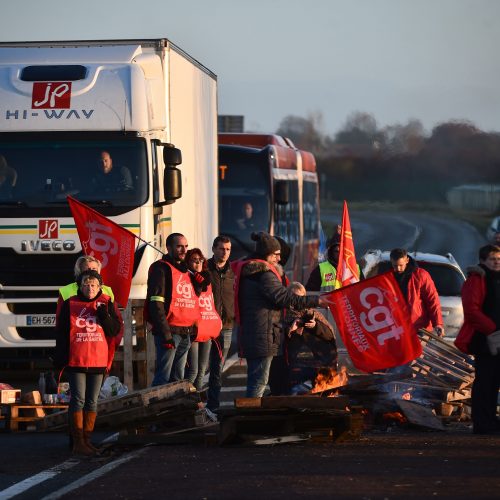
47,246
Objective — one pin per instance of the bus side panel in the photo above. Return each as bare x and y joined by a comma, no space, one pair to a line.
193,120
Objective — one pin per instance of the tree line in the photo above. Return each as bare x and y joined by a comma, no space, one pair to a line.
397,162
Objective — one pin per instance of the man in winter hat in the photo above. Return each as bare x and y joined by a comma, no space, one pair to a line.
260,299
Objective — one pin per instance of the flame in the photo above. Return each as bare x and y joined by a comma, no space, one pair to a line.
328,378
396,416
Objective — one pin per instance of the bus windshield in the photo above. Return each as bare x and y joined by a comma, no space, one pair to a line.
39,171
244,196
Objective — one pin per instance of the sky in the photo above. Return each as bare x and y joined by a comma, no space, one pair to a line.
431,60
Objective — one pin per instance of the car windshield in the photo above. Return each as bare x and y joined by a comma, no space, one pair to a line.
447,279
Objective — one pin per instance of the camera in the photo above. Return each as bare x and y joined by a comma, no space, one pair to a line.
305,318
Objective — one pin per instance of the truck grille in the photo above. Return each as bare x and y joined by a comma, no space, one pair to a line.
36,269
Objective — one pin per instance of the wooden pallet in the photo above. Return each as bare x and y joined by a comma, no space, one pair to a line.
29,416
145,405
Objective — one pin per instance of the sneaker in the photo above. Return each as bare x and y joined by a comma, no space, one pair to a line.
211,415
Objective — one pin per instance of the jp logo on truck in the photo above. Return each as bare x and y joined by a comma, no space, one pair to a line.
48,229
52,95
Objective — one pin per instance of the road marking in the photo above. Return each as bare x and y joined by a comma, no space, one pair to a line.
233,389
26,484
238,375
94,475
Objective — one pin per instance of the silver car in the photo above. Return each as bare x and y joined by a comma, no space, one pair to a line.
446,274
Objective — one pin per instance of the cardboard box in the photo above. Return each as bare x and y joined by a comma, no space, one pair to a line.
10,396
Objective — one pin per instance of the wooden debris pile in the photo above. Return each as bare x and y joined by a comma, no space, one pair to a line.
174,406
435,390
284,419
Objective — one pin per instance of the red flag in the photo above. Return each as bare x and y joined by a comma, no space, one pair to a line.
113,245
347,268
374,322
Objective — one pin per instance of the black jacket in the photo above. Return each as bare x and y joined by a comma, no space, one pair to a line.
223,291
262,299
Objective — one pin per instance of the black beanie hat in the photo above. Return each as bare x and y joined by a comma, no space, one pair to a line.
265,244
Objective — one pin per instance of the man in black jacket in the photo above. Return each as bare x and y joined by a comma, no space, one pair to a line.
261,300
222,277
171,311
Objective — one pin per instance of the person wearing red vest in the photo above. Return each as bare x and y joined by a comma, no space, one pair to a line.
208,324
260,300
85,326
171,308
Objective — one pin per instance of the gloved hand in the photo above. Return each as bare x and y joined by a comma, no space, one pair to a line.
102,313
199,278
168,343
439,330
493,340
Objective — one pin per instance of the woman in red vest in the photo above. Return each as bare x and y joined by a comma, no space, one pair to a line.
208,325
85,325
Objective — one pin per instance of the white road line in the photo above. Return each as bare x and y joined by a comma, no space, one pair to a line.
233,389
26,484
237,375
94,475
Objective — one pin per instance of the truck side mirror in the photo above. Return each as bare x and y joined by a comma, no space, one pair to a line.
281,193
172,179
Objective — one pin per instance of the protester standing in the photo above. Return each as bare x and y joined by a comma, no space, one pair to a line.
480,336
85,326
222,279
419,291
208,325
261,297
171,310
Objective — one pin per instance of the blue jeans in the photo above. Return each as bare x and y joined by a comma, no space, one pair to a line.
170,363
216,367
84,388
257,376
197,361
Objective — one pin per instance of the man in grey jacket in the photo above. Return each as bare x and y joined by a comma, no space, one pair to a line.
261,298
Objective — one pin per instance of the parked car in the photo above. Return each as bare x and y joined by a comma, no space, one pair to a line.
493,231
446,274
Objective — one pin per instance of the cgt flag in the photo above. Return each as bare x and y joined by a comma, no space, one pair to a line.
108,242
347,268
374,322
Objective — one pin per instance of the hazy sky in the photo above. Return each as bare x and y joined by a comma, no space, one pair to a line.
434,60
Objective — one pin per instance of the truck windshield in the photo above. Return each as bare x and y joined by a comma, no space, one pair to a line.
39,171
244,196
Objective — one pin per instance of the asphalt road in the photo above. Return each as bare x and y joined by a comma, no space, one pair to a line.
415,231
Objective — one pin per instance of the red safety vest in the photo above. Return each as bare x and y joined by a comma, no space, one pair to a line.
184,308
88,346
209,323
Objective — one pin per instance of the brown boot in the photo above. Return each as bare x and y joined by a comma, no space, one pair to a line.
88,426
79,446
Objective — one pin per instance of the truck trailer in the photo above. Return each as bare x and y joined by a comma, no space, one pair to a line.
66,105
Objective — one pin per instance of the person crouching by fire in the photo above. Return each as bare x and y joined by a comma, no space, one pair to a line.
308,331
85,324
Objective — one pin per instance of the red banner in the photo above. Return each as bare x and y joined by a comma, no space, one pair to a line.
347,268
113,245
374,322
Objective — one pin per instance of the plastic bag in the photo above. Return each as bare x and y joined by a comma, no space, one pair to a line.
112,387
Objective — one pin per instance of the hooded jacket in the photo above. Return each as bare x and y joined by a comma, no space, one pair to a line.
262,298
421,295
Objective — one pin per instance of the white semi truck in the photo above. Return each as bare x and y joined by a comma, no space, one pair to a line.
62,104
